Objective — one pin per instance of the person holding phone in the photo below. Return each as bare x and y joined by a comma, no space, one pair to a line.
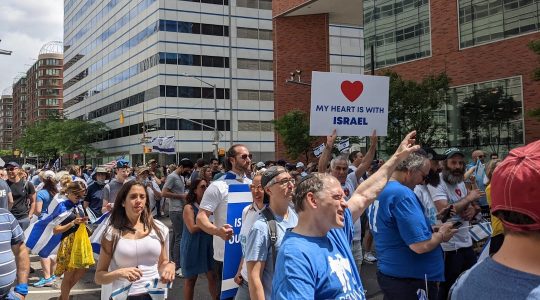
75,192
410,256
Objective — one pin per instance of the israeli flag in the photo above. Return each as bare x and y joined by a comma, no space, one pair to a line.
100,226
163,145
40,237
318,150
343,145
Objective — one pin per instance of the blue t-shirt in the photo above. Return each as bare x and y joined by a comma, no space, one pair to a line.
258,246
318,267
397,221
45,197
491,280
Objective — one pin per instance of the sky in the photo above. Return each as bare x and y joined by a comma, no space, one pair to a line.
25,26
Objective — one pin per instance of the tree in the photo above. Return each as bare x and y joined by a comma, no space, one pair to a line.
293,127
54,137
535,47
411,107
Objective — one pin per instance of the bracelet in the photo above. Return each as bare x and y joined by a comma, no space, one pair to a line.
22,289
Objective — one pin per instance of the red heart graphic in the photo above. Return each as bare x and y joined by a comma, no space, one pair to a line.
458,192
352,90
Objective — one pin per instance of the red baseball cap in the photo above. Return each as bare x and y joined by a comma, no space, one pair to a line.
514,186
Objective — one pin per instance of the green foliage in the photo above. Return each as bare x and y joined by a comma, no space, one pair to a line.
293,128
488,111
535,47
411,107
53,137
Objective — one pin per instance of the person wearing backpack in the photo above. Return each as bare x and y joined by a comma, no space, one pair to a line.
265,236
24,195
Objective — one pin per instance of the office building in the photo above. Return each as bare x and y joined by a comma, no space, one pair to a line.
156,63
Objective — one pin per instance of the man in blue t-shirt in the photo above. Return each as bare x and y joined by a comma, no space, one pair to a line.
409,253
315,258
514,271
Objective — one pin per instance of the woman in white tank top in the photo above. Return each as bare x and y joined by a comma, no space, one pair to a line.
134,249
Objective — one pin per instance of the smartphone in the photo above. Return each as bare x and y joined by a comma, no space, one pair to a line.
447,214
457,224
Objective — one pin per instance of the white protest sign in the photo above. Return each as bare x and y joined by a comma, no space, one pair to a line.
353,104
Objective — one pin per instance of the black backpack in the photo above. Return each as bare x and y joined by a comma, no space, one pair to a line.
272,229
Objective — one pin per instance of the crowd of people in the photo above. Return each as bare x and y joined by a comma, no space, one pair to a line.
306,234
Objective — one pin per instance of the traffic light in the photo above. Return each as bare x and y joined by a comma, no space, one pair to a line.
221,152
121,117
147,149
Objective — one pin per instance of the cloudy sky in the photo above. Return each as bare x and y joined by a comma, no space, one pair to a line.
25,26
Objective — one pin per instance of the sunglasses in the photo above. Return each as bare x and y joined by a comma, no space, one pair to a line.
245,156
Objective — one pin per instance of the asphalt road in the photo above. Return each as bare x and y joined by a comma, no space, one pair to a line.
86,289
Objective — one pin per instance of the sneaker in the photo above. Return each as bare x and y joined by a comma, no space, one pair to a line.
45,282
370,258
179,272
51,282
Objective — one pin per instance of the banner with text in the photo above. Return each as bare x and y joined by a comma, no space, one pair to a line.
239,197
353,104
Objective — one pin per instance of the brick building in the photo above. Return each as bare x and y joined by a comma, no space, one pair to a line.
481,45
6,120
39,95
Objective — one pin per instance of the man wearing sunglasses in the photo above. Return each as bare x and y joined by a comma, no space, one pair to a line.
214,201
24,195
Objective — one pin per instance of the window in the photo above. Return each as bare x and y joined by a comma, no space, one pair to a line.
253,33
255,126
254,64
244,94
482,21
398,30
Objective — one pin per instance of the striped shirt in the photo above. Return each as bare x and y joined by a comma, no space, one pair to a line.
10,234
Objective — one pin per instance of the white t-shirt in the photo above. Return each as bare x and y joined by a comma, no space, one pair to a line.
350,185
215,200
453,193
430,211
141,253
250,214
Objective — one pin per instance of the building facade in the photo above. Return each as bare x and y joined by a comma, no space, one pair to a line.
156,63
38,95
6,121
482,47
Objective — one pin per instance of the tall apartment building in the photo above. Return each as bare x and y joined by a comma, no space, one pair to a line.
481,45
147,59
38,94
6,120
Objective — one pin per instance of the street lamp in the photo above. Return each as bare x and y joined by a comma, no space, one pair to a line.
216,132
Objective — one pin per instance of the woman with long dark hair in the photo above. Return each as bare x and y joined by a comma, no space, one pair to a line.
74,192
134,249
196,245
43,199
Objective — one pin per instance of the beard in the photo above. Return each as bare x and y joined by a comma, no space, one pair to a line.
433,178
453,176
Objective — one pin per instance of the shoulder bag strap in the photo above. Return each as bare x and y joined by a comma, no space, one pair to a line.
272,228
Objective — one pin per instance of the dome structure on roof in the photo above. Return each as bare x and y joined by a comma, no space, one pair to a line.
53,47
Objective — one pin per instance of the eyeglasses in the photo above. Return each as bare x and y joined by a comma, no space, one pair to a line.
257,188
245,156
285,181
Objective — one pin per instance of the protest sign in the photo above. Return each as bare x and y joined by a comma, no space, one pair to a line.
239,197
352,104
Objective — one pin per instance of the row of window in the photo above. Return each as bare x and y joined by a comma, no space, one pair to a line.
244,94
254,64
258,4
255,125
382,10
50,62
49,92
51,81
193,60
49,102
195,28
253,33
113,28
166,124
219,2
83,12
49,72
484,21
400,36
121,104
193,92
107,33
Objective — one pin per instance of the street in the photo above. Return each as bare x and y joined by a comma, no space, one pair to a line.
86,289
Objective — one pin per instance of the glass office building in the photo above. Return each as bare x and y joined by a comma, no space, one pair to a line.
146,59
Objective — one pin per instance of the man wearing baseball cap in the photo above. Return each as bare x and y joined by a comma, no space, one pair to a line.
113,187
24,195
459,254
514,271
94,194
